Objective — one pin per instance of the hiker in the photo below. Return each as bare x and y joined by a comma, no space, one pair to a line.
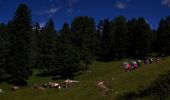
150,60
157,60
138,62
134,64
146,61
126,66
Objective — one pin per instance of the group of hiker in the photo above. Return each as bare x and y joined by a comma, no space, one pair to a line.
134,64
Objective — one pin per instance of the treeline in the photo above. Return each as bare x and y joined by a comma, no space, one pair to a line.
25,45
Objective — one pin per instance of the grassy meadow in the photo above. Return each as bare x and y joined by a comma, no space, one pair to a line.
112,74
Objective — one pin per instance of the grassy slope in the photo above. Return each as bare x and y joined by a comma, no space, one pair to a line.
118,80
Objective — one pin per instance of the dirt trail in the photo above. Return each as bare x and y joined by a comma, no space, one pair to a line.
103,87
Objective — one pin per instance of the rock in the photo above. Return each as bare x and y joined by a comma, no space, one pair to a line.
1,91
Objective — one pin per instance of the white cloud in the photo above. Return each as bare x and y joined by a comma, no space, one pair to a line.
49,12
42,24
121,4
166,2
52,10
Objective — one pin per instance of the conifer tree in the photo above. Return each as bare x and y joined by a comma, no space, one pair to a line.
4,50
142,38
121,36
163,37
108,41
83,36
20,32
67,57
48,42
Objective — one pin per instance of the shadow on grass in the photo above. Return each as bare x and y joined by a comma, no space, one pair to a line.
158,90
55,76
45,74
108,59
18,82
8,79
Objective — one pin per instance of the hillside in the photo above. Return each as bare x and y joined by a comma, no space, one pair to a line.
117,81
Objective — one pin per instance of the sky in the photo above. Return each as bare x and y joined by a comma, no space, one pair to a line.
62,11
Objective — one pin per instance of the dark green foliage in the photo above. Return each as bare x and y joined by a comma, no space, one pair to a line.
20,29
153,43
108,41
162,45
65,31
68,60
121,37
36,42
143,33
2,61
47,46
84,38
99,31
139,38
67,57
4,50
131,32
34,36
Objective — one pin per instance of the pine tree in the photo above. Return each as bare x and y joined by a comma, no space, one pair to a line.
4,50
163,37
152,43
2,58
20,28
132,37
67,57
99,32
65,31
108,41
83,36
142,38
47,45
121,36
36,41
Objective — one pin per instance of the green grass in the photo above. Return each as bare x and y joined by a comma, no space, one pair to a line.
118,80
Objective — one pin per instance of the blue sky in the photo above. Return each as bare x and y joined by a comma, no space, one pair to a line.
66,10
